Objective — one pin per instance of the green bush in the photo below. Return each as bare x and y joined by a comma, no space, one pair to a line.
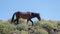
16,31
39,23
6,28
21,21
36,23
58,23
24,32
40,31
22,27
48,24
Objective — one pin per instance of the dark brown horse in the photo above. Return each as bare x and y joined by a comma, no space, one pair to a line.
25,15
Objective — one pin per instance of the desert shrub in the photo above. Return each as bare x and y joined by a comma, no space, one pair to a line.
21,20
6,28
48,24
22,27
58,23
36,23
9,20
16,31
24,32
40,31
1,21
39,23
29,24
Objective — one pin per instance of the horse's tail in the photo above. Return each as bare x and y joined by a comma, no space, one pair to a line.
13,17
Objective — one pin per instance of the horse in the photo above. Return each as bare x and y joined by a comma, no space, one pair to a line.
25,15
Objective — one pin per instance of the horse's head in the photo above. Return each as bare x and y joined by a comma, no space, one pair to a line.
37,15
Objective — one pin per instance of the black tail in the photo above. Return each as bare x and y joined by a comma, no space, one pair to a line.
13,17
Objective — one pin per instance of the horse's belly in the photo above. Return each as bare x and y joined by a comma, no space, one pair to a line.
25,16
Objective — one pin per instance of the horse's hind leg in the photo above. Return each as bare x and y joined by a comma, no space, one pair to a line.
17,21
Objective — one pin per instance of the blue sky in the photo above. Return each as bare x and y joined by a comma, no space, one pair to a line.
48,9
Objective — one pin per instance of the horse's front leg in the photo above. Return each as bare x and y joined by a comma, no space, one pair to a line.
27,21
32,22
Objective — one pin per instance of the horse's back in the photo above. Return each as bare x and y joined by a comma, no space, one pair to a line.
25,12
25,15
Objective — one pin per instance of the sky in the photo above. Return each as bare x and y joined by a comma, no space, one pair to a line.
48,9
